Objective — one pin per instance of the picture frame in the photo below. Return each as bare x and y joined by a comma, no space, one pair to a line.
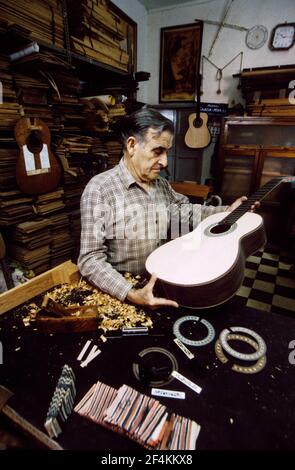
180,57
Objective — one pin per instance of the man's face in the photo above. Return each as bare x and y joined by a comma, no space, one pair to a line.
149,157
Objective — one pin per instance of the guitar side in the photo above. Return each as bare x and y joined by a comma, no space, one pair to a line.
197,136
213,265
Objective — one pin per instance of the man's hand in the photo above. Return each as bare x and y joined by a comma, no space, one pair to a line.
239,201
146,297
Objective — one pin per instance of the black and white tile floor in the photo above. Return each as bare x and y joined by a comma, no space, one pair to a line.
269,282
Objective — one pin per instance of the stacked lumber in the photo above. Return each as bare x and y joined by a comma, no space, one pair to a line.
32,96
15,207
99,33
114,153
49,202
271,107
9,107
61,246
266,91
43,19
8,158
37,259
100,117
32,234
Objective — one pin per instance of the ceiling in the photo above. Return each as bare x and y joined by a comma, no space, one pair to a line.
150,4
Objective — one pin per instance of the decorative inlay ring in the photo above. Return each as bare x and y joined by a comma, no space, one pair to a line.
157,383
224,336
257,367
210,336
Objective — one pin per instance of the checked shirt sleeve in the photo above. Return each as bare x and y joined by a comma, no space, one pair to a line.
92,262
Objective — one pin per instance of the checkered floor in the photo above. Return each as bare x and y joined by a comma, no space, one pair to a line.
269,282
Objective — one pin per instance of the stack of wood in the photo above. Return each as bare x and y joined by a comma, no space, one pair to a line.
32,96
100,117
99,33
15,207
267,91
37,259
9,107
32,234
114,153
49,202
61,246
61,239
43,19
8,157
67,109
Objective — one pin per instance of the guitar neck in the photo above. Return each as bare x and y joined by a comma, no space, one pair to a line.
257,196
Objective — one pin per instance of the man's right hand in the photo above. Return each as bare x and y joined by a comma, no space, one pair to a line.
146,297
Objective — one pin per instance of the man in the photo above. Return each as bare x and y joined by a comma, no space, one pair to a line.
125,211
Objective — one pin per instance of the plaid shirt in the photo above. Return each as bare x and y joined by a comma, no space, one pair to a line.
122,224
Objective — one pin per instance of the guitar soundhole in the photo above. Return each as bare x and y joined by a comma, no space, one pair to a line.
34,142
220,228
198,122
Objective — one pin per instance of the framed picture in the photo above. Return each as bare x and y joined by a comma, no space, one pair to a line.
180,62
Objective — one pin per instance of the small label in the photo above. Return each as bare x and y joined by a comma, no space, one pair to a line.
183,348
159,392
186,382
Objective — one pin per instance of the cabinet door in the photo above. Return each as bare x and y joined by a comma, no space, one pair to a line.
238,173
276,163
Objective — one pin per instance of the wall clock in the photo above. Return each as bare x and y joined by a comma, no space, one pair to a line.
283,37
256,37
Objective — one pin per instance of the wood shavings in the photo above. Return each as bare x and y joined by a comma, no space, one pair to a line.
82,299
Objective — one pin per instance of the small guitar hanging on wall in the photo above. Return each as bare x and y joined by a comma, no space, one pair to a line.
197,136
37,169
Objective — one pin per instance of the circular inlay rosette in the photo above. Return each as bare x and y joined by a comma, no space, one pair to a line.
256,367
210,335
165,352
224,336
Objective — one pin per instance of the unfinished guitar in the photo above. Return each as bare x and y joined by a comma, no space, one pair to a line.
206,266
37,169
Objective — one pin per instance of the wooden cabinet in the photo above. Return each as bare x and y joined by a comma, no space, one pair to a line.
252,151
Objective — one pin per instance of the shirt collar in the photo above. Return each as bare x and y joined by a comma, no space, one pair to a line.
125,174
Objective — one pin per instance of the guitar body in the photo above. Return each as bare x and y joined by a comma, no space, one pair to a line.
198,135
203,269
37,169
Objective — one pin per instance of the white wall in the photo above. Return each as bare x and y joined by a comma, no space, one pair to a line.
138,13
245,13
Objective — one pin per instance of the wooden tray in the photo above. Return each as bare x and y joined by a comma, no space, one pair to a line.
64,273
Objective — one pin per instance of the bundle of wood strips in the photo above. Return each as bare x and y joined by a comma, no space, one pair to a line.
99,33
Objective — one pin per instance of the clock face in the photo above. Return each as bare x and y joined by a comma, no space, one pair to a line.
283,36
256,36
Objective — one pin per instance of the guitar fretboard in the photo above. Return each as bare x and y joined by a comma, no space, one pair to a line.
257,196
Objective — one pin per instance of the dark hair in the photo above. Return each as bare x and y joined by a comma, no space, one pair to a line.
138,123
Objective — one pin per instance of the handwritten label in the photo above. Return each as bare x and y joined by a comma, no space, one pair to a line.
186,382
159,392
183,348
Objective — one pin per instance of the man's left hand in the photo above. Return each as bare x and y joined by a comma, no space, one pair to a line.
239,201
